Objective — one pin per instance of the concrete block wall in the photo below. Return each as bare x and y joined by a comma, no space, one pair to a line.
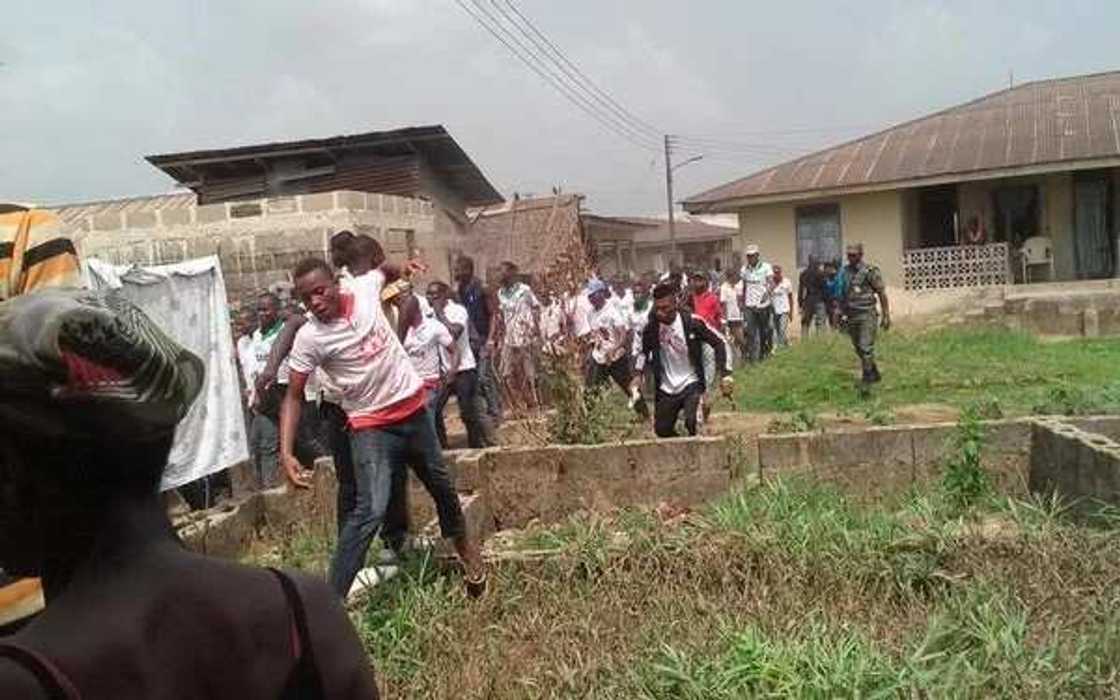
258,241
889,459
1083,468
550,483
498,487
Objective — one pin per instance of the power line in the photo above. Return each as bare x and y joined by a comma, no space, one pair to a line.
571,77
497,29
606,98
557,80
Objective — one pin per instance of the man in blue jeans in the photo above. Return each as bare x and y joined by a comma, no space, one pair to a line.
349,338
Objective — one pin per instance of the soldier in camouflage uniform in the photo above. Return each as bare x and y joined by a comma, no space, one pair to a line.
864,286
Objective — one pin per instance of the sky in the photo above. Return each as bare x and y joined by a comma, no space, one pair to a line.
87,89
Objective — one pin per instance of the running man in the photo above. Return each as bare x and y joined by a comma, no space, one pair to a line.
384,399
673,343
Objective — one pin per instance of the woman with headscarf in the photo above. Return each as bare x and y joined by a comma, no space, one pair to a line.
90,394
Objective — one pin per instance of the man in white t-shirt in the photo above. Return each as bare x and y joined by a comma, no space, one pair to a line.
782,294
384,399
621,295
517,332
264,401
610,342
730,292
430,347
757,285
672,343
465,384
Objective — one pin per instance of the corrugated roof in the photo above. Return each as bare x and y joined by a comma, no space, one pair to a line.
650,231
441,154
70,213
1062,121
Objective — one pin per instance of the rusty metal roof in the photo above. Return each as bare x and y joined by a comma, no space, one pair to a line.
246,166
652,231
1067,122
70,213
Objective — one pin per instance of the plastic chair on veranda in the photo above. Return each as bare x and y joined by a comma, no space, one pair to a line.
1036,250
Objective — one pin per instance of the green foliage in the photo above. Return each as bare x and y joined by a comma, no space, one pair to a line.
978,645
579,415
800,421
964,481
831,537
786,589
819,662
1074,400
584,416
404,614
876,413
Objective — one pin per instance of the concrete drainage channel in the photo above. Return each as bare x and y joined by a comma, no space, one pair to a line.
505,488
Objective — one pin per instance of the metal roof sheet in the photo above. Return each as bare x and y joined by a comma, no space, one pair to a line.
1033,124
441,153
70,213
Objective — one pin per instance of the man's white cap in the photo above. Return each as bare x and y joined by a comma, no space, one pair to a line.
752,249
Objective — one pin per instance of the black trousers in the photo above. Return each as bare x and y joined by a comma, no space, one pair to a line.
621,372
395,528
668,407
465,388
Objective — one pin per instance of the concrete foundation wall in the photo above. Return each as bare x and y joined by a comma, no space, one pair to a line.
892,458
499,488
1081,467
550,483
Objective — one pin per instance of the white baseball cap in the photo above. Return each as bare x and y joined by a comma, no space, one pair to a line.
752,249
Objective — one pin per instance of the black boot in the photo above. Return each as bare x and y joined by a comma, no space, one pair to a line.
875,376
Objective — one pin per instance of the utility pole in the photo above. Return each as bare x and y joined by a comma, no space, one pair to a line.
669,168
669,199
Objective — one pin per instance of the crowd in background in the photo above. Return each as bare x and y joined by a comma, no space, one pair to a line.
508,333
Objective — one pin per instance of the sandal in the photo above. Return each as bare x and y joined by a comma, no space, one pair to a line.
475,585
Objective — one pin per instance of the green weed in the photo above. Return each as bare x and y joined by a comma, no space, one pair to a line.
964,481
800,421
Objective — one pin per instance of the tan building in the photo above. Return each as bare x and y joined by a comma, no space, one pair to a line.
261,208
636,245
1022,185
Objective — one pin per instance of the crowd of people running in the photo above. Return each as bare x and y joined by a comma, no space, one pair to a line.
489,345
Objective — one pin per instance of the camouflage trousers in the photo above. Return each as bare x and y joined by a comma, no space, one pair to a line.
862,328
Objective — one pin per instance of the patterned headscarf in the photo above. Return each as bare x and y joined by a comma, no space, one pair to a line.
91,366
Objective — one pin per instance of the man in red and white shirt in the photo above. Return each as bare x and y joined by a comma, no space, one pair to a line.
349,338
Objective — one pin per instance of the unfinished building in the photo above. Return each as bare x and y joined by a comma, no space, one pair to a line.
260,208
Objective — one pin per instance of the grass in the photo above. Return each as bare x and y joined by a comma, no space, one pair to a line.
1013,372
787,589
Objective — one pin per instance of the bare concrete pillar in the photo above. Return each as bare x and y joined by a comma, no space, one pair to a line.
1090,323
